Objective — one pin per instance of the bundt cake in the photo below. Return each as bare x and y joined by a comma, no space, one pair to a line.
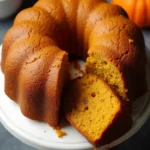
95,110
35,53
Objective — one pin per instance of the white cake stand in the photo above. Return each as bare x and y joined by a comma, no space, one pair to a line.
41,136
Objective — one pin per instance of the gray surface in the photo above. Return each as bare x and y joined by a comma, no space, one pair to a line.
140,141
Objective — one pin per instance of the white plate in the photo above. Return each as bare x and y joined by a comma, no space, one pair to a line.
40,135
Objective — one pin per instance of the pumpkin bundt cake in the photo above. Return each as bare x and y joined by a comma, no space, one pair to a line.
35,53
95,110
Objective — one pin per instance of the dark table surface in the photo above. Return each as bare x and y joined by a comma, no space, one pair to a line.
140,141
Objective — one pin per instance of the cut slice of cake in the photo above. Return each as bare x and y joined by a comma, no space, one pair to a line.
95,110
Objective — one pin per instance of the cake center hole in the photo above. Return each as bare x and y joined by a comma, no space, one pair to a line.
76,68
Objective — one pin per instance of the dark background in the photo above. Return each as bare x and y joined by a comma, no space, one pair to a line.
140,141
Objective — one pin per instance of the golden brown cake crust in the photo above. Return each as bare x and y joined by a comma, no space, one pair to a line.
119,25
47,93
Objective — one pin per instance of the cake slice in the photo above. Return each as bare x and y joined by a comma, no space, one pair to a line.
95,110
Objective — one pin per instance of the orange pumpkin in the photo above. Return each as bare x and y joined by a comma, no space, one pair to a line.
138,10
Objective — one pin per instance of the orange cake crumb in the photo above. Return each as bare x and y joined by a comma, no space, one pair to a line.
60,133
